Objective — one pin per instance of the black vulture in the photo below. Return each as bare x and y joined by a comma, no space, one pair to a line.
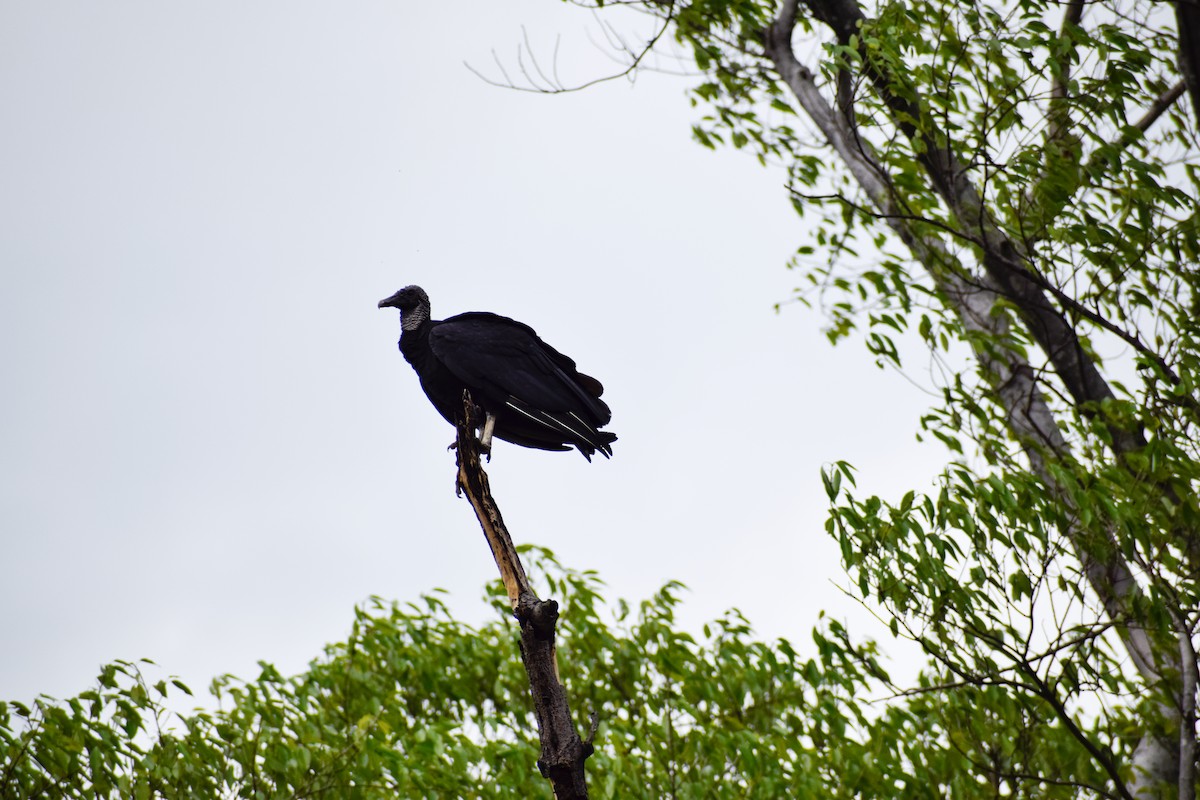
531,394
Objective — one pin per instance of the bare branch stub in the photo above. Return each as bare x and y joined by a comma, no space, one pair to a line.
474,482
563,753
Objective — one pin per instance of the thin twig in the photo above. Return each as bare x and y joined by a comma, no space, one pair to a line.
558,88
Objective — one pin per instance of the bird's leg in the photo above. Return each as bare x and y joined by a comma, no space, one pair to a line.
485,438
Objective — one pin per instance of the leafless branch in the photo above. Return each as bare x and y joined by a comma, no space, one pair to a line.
555,86
563,753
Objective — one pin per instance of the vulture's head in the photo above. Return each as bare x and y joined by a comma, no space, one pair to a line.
413,304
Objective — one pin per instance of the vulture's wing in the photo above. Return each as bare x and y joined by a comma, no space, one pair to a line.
507,359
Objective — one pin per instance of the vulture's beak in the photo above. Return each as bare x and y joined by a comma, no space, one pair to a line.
390,302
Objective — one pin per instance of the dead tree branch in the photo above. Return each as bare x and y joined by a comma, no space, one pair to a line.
563,753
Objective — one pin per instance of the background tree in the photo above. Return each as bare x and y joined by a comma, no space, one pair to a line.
415,704
1014,182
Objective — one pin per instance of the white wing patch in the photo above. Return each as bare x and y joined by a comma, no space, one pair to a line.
556,424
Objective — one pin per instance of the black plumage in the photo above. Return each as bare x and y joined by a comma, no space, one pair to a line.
532,394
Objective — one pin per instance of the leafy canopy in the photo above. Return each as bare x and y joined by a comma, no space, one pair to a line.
416,704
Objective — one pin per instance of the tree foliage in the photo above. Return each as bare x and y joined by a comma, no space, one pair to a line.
416,704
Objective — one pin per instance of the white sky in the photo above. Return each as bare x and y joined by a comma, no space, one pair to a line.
210,447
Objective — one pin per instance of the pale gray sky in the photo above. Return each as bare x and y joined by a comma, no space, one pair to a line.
210,448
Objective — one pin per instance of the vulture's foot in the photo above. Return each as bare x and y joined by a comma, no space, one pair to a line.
485,438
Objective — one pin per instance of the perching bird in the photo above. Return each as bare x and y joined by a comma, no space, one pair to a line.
530,393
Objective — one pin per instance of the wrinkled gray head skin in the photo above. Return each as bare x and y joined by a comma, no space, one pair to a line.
413,304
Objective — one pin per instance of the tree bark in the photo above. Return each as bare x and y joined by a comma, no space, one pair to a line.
563,752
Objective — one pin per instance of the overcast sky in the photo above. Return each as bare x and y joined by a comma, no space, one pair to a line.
210,447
